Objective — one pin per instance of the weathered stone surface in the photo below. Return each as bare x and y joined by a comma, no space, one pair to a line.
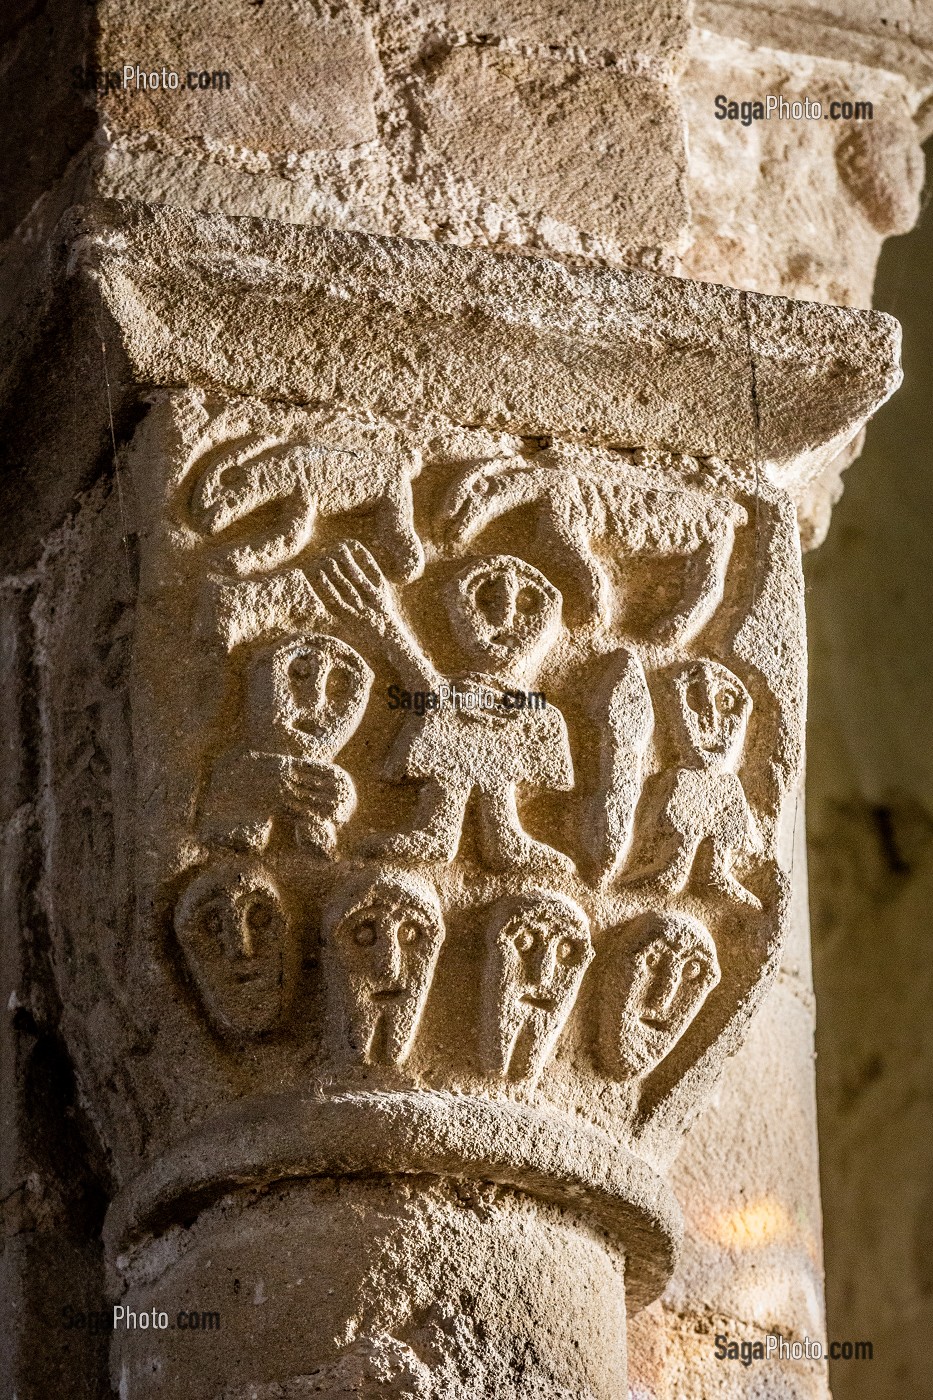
382,1017
459,953
796,207
620,358
588,147
278,78
639,29
894,37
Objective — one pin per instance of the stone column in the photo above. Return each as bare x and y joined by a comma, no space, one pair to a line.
237,403
425,678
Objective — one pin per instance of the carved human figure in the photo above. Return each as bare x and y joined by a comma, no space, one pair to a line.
657,974
261,499
579,503
382,934
505,615
239,947
538,947
304,700
703,803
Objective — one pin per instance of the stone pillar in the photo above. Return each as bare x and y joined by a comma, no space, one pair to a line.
426,673
242,404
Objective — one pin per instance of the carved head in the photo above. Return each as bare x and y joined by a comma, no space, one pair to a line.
382,936
655,983
310,692
538,948
504,612
234,933
481,495
256,503
714,707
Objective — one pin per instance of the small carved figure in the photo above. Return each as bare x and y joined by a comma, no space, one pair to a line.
538,947
305,699
234,497
657,975
703,802
506,616
239,947
381,938
579,506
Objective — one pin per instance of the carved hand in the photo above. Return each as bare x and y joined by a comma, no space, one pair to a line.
321,788
352,585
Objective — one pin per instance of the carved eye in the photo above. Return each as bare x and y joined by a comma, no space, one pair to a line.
338,684
526,601
692,970
481,485
695,697
568,950
524,940
409,933
301,667
726,702
653,957
259,916
364,935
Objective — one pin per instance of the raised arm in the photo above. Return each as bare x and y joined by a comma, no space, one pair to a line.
352,587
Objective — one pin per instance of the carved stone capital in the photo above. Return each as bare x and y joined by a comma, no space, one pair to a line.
423,698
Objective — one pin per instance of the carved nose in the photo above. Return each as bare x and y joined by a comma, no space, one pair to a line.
240,939
388,959
542,965
664,987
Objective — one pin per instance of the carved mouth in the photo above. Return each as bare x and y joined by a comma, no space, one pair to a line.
542,1003
389,993
654,1023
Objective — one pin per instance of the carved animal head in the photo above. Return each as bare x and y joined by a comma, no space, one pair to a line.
234,932
309,694
257,503
538,948
504,612
713,707
659,974
382,937
480,495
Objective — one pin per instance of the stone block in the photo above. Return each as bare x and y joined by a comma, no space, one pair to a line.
297,78
528,346
601,151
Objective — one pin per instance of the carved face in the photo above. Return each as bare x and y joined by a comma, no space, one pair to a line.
714,709
234,933
503,611
382,939
312,691
538,949
657,984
